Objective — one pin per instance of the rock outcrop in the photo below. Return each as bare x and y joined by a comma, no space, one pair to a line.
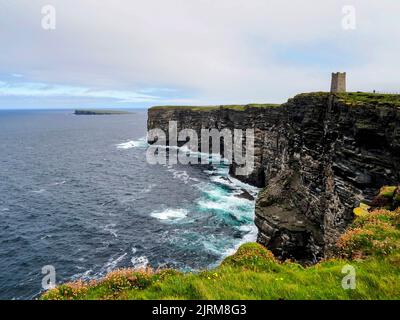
317,157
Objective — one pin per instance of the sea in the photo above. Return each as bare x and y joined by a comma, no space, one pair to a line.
77,194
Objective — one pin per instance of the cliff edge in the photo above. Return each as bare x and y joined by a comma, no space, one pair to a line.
316,157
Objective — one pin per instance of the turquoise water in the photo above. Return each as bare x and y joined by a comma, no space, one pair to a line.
77,193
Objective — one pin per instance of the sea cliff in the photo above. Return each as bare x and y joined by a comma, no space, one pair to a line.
321,160
316,157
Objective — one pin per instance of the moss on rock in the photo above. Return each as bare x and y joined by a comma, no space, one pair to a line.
387,191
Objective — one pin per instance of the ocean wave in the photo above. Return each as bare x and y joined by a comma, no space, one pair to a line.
213,191
203,158
232,210
39,191
140,262
111,229
148,188
86,275
139,143
225,247
253,190
250,235
227,203
58,183
170,214
181,175
112,264
216,246
234,183
223,196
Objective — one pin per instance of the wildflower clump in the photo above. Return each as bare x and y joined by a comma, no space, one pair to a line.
69,291
375,233
123,279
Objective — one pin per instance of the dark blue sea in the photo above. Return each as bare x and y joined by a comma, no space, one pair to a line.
77,193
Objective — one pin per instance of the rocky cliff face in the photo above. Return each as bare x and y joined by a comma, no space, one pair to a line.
316,156
232,117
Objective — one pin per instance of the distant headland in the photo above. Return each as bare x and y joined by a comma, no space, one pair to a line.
99,112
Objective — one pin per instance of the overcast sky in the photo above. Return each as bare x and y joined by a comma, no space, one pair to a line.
131,53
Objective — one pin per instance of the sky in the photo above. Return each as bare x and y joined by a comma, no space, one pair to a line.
137,54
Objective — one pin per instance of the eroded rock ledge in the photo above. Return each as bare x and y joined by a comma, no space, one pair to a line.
316,156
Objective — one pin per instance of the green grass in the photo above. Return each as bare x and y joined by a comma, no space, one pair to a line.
371,246
222,107
387,191
350,98
360,98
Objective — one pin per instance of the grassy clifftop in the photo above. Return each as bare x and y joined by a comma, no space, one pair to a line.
350,98
376,99
371,245
221,107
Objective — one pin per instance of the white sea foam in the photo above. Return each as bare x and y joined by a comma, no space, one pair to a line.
242,185
112,263
218,197
252,232
180,175
170,214
212,191
250,236
39,191
221,171
58,183
139,143
86,275
111,229
224,247
148,188
240,209
214,246
234,184
222,196
140,262
227,203
202,156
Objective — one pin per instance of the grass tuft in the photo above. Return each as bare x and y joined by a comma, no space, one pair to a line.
214,108
377,99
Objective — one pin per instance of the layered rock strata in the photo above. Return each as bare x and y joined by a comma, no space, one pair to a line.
316,157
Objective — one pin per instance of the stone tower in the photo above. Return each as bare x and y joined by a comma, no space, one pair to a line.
338,82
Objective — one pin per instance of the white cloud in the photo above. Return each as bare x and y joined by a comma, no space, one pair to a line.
43,90
28,89
215,51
